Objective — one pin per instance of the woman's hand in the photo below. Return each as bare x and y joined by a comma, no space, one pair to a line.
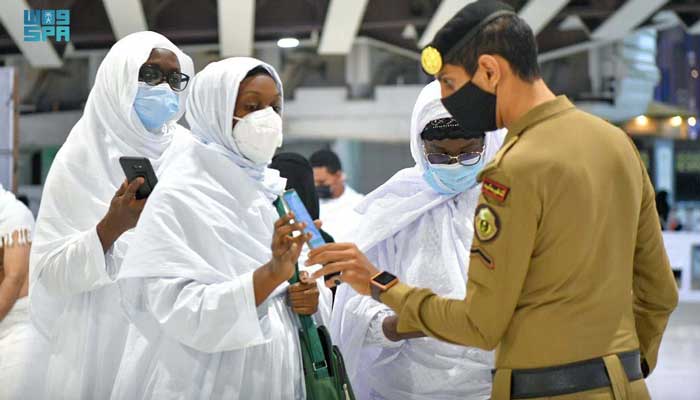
285,253
123,214
286,249
303,295
15,270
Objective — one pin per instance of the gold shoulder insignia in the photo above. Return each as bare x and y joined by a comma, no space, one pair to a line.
494,190
486,223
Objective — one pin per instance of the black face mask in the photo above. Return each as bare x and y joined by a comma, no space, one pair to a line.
473,107
324,192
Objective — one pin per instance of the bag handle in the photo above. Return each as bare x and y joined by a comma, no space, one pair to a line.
308,326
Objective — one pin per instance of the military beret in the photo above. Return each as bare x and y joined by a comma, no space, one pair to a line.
459,30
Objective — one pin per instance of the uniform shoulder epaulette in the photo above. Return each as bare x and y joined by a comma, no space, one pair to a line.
496,161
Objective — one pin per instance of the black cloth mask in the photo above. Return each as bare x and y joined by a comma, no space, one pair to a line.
473,107
324,192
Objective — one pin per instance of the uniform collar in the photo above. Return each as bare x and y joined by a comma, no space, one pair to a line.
538,114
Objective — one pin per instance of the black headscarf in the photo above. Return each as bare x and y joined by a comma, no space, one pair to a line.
447,128
300,177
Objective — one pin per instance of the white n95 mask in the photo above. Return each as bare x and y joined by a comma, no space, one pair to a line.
258,134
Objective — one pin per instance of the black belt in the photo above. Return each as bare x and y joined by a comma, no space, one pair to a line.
570,378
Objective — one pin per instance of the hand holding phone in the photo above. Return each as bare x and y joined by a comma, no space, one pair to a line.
123,213
135,167
294,204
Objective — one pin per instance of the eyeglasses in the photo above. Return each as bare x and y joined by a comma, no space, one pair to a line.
466,159
152,75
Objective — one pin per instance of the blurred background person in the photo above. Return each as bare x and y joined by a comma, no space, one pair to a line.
663,207
338,200
23,350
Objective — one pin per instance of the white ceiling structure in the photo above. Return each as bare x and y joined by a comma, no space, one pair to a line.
236,27
38,54
125,16
628,17
538,13
446,10
342,23
340,28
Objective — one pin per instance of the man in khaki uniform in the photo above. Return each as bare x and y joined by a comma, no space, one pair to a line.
568,277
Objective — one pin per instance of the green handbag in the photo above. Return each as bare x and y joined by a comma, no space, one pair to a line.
324,369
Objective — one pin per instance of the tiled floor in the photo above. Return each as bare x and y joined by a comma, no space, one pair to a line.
677,376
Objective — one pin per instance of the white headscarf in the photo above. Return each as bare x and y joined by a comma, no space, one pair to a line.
218,172
210,222
82,181
406,196
14,217
409,229
205,116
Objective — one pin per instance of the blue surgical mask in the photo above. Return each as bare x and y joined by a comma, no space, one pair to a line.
155,105
451,179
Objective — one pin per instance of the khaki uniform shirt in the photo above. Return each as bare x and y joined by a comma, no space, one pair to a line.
567,262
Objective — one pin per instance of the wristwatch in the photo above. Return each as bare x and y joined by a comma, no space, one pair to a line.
381,282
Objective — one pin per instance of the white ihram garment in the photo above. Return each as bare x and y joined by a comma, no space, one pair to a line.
23,350
74,301
188,285
423,238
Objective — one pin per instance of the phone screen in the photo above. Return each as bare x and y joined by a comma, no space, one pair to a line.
295,205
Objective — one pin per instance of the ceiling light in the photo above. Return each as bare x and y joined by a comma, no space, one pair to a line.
288,43
676,121
642,120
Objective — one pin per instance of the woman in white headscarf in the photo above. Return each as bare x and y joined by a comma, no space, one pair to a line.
23,351
81,233
418,226
205,288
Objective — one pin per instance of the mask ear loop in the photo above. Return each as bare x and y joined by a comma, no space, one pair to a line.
495,117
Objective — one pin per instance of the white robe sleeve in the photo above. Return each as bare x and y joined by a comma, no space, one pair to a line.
207,317
78,266
375,331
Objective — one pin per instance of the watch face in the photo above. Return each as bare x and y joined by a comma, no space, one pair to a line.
384,278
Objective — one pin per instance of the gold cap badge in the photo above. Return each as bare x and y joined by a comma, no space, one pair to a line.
431,60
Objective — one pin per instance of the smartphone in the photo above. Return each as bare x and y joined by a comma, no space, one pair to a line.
135,167
294,204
